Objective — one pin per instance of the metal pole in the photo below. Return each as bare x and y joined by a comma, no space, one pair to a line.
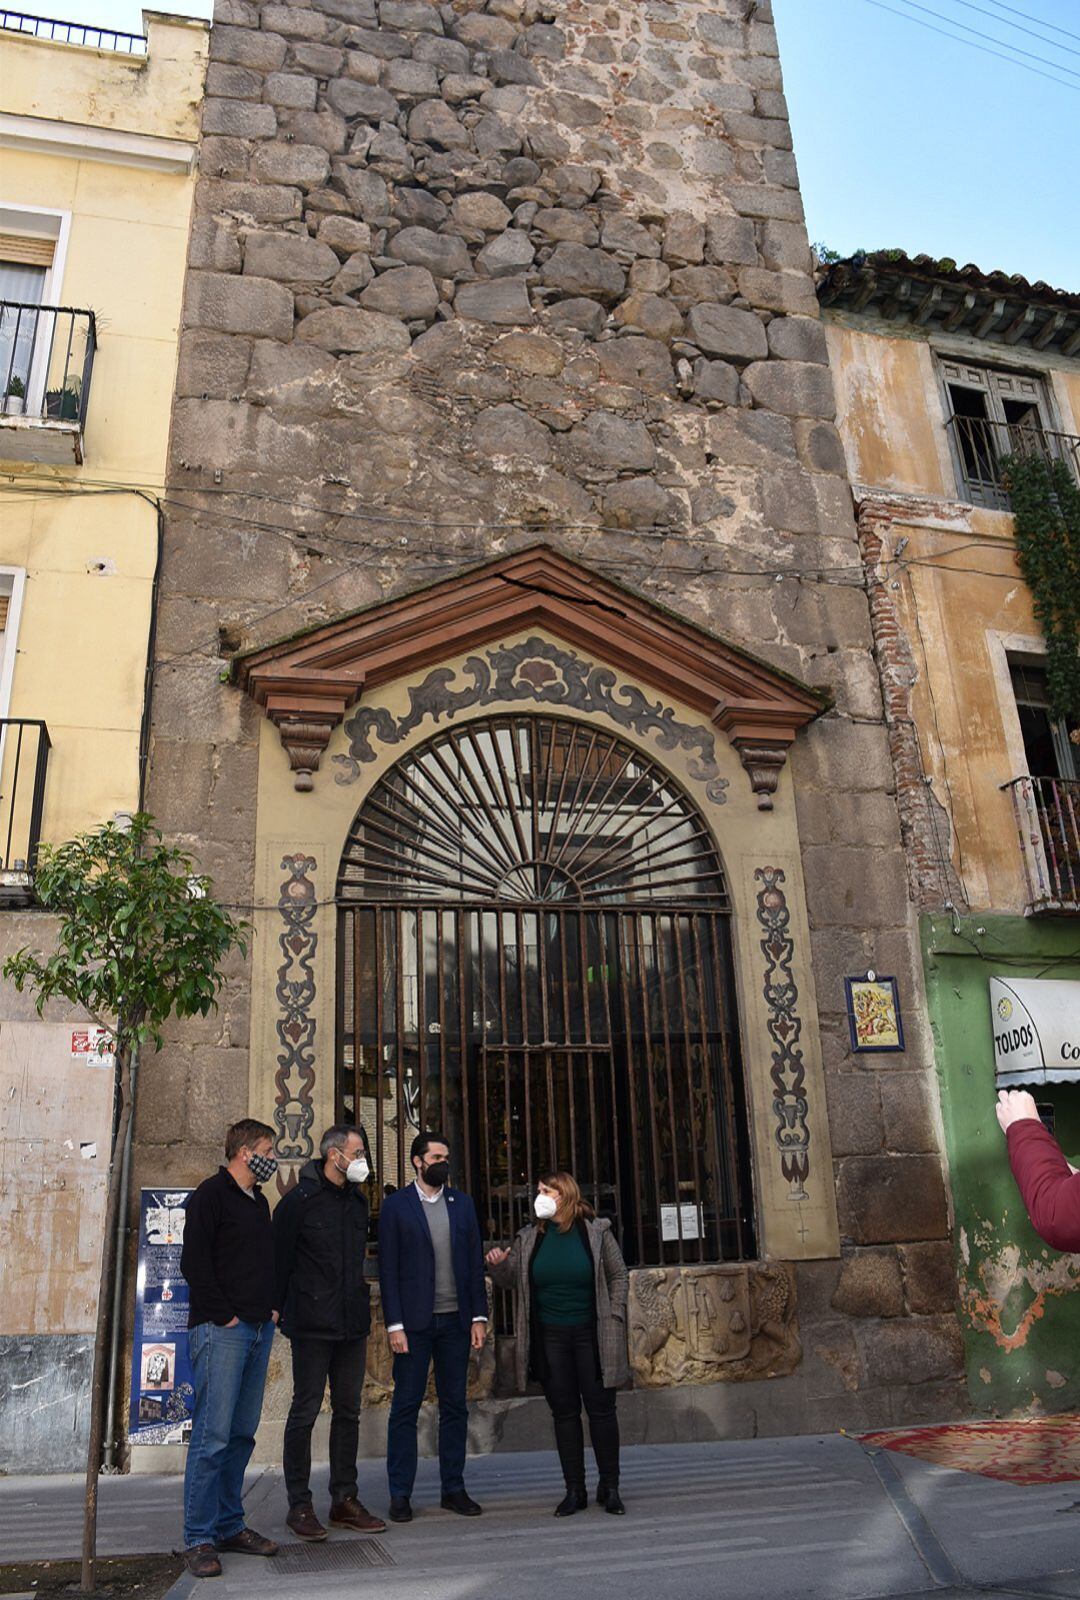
118,1279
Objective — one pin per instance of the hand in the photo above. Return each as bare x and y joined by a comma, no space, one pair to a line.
231,1324
1015,1105
479,1335
275,1317
495,1258
399,1344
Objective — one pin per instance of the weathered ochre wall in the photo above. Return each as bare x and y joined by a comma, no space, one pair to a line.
888,411
962,702
947,578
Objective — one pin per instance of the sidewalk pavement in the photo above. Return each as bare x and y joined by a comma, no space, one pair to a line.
820,1518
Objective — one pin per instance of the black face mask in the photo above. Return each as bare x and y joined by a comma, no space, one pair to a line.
436,1174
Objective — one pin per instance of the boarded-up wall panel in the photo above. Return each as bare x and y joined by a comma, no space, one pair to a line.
52,1196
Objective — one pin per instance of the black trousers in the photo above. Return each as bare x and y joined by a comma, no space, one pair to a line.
572,1380
313,1362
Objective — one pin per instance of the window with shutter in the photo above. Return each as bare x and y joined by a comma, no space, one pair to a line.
27,250
992,413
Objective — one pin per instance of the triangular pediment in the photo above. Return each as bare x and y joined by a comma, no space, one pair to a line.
307,682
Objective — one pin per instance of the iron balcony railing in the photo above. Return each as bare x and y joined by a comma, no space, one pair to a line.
1047,812
980,445
128,44
46,361
24,765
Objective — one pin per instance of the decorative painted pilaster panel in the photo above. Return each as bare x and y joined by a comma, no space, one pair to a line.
788,1072
296,1025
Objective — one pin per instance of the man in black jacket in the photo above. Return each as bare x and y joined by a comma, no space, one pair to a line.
320,1240
228,1261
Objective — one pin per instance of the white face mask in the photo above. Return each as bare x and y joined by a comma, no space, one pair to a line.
358,1170
545,1206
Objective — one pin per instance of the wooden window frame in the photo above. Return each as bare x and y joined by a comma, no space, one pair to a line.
980,376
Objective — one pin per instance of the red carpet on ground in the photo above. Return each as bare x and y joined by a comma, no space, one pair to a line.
1045,1450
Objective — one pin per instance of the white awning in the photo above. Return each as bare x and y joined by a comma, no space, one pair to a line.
1036,1024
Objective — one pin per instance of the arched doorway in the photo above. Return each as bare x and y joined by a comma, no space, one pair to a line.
534,956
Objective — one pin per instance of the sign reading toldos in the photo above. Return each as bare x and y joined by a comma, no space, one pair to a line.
1036,1023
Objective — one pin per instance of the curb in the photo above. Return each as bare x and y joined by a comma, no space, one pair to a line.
184,1587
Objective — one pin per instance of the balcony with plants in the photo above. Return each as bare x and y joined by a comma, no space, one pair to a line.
46,366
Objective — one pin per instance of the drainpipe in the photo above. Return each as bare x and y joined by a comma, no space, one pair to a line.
116,1319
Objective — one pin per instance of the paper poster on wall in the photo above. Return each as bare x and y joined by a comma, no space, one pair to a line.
93,1046
162,1392
680,1222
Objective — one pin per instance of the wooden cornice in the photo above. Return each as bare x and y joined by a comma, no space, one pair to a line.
308,682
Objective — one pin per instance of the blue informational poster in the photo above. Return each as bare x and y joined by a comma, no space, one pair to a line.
162,1393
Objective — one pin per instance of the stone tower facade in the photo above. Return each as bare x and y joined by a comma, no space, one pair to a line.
472,277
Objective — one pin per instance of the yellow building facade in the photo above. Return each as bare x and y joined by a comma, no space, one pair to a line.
942,375
924,477
98,141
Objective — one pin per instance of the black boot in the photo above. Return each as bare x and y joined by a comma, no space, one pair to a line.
576,1498
570,1442
607,1495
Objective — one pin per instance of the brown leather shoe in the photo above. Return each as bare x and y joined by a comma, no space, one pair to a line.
202,1562
305,1524
350,1513
248,1543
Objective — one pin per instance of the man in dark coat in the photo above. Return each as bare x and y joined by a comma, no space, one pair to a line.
228,1262
434,1300
320,1240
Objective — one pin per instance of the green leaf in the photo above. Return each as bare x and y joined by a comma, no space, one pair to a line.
1045,503
132,947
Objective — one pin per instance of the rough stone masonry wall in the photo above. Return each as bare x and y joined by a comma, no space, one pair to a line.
467,275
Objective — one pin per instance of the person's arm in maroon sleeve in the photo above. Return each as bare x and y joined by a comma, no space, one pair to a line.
1049,1186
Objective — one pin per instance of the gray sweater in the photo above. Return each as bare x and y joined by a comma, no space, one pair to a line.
438,1221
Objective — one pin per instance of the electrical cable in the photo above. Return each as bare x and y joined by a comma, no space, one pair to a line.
454,552
1002,21
455,555
411,523
1041,21
1062,82
1015,49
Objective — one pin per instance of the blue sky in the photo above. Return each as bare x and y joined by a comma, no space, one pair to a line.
904,137
908,139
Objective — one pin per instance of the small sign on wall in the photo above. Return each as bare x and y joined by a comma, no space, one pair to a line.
680,1222
873,1008
93,1046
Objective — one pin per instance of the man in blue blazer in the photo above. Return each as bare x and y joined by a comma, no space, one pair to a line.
434,1302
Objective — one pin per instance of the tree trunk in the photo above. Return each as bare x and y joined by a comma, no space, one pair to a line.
101,1331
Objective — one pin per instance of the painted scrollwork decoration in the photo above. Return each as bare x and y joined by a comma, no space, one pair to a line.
542,672
294,1079
788,1071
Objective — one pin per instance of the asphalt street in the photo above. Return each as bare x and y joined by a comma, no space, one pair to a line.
817,1518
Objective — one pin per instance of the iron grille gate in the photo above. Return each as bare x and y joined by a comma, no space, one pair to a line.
550,985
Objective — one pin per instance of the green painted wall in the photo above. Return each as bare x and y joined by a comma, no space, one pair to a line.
1020,1300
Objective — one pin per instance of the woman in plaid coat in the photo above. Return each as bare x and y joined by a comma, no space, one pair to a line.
570,1283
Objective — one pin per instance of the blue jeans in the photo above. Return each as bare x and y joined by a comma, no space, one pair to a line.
446,1342
229,1367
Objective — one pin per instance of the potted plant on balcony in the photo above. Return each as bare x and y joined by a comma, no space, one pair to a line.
63,404
15,399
